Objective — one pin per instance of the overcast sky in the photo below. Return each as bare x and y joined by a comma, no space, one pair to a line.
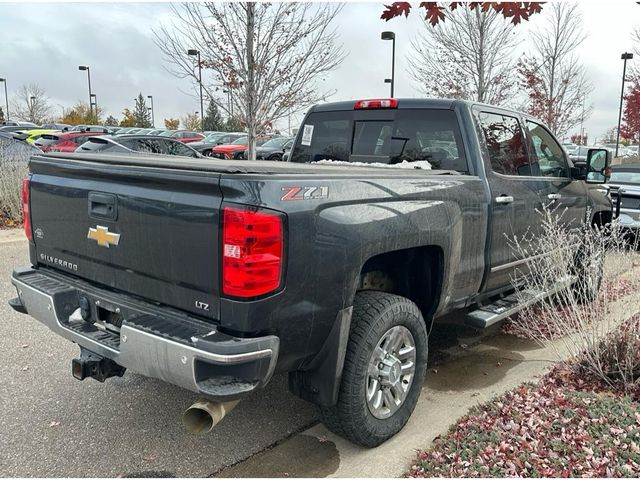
45,43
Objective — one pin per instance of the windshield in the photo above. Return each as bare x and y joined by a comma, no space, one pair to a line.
241,141
383,136
212,137
276,142
625,177
168,133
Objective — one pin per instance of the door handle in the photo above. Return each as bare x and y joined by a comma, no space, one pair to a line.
504,199
554,196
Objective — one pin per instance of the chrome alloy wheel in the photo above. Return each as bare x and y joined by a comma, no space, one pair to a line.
390,374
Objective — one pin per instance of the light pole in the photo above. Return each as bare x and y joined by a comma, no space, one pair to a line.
625,56
6,98
61,108
193,53
83,68
94,98
31,106
153,121
391,36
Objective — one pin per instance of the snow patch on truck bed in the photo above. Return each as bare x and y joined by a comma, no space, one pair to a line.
419,165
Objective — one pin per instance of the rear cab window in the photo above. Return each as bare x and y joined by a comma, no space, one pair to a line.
419,138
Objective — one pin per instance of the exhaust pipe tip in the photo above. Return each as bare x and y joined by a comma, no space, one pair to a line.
203,415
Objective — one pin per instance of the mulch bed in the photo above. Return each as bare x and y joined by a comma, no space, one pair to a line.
567,425
6,222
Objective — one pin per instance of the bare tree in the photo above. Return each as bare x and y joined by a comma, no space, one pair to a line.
469,56
266,58
553,77
31,103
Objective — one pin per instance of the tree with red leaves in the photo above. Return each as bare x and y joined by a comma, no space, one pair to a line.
630,128
436,12
553,78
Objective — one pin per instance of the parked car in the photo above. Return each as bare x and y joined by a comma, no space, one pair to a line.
123,130
625,182
579,154
273,149
206,146
157,131
16,128
35,134
184,136
64,141
137,143
333,267
143,131
91,129
18,123
56,126
236,148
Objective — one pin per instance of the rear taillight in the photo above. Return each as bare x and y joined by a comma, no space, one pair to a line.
376,103
252,251
26,212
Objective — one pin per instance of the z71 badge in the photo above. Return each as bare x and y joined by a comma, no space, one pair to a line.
304,193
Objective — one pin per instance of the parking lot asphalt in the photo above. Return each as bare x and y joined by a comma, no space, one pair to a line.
52,425
55,426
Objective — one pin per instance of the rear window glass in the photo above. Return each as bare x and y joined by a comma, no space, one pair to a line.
431,137
48,140
93,144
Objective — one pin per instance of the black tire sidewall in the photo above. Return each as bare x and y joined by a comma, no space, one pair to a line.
402,312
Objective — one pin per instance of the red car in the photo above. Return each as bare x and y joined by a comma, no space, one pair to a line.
184,136
63,142
235,150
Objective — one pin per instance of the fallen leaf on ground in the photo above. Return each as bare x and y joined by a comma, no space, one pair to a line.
150,457
54,424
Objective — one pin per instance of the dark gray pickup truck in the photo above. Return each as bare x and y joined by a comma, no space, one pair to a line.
213,275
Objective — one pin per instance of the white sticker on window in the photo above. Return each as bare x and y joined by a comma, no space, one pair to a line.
307,135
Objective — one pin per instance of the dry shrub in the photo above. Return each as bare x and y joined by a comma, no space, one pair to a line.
14,158
581,320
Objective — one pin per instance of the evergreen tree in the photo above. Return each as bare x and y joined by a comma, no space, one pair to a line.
213,120
111,121
1,115
141,113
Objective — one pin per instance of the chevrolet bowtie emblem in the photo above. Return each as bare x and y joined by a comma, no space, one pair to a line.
103,236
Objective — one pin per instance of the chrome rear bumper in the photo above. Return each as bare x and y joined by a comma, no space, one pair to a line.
185,351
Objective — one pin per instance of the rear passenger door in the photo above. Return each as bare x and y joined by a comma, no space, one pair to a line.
514,192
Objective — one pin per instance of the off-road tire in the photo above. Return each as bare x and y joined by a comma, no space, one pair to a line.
374,313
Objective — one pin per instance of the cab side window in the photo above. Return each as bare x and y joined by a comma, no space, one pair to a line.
505,142
546,153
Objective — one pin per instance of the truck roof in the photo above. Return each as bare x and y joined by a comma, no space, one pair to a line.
413,103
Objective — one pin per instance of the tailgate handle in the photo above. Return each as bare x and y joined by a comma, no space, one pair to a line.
103,206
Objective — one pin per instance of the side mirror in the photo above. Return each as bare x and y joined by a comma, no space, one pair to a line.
598,161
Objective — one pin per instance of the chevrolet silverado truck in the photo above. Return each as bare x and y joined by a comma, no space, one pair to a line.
213,275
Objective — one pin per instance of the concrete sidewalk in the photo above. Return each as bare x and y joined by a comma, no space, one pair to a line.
478,374
12,235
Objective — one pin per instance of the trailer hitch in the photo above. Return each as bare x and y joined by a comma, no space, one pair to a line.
95,366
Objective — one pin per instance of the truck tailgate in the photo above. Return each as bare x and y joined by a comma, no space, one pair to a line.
151,232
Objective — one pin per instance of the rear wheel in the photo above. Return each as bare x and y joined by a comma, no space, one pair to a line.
208,153
384,369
